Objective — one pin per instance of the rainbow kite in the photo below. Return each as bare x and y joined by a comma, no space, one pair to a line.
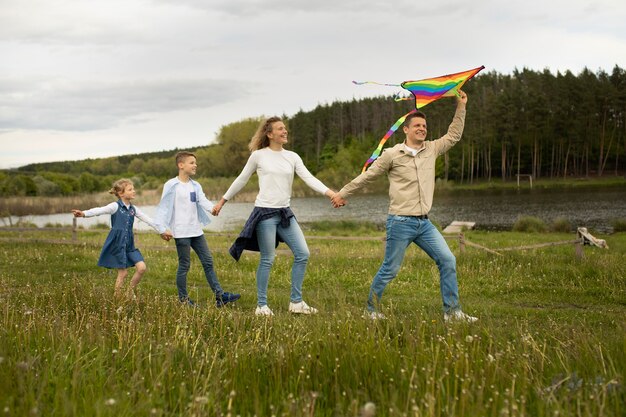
424,92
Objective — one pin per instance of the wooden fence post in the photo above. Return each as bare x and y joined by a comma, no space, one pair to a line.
578,249
461,242
74,227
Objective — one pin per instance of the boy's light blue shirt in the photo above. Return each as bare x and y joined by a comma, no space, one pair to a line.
165,209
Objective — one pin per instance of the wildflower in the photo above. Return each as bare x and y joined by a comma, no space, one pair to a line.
469,338
369,410
110,401
202,400
490,358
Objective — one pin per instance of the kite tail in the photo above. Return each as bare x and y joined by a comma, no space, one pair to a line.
396,97
390,132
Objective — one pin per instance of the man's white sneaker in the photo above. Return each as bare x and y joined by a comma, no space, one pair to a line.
459,316
374,315
263,311
301,308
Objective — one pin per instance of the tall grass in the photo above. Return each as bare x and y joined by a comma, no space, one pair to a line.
550,340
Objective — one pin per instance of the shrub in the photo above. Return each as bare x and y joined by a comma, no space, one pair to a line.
50,224
24,223
529,224
619,225
561,225
46,187
18,185
343,227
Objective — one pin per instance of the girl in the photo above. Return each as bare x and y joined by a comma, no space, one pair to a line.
119,248
272,220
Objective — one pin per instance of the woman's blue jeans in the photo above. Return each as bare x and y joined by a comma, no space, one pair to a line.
266,231
401,231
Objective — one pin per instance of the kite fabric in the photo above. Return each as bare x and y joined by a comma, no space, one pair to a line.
424,92
431,89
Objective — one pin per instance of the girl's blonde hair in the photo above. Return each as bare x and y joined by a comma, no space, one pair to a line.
260,139
119,186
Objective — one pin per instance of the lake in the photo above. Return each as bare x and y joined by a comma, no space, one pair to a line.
594,208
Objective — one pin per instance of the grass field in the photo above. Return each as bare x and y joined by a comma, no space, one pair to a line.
550,341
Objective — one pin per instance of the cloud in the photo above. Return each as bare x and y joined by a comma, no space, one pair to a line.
79,22
83,106
260,7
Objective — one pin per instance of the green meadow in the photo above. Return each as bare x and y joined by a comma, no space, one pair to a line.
551,339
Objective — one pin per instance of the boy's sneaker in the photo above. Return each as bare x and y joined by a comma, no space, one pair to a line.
226,297
301,308
188,302
459,316
263,311
374,315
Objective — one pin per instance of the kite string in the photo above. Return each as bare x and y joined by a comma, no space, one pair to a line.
376,83
390,132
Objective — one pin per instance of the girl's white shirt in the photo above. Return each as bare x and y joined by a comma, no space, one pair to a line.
276,172
113,207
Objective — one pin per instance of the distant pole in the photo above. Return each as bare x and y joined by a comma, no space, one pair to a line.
461,242
530,178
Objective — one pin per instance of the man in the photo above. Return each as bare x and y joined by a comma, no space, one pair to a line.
410,167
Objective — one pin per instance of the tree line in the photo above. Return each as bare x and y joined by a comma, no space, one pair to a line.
528,122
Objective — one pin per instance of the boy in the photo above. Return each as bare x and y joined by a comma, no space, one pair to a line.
183,210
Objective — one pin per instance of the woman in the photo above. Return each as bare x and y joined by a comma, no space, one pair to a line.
272,220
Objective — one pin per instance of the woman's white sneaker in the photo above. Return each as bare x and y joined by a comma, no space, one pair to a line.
374,315
263,311
301,308
459,316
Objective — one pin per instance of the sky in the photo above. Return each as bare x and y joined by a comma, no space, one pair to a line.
91,78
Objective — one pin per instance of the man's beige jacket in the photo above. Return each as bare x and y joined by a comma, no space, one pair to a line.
411,178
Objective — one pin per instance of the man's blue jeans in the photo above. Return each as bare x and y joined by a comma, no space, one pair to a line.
401,231
294,238
200,247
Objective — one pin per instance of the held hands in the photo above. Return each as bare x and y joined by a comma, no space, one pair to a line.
337,201
218,207
78,213
167,236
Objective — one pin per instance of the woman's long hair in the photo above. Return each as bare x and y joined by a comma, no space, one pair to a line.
260,139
